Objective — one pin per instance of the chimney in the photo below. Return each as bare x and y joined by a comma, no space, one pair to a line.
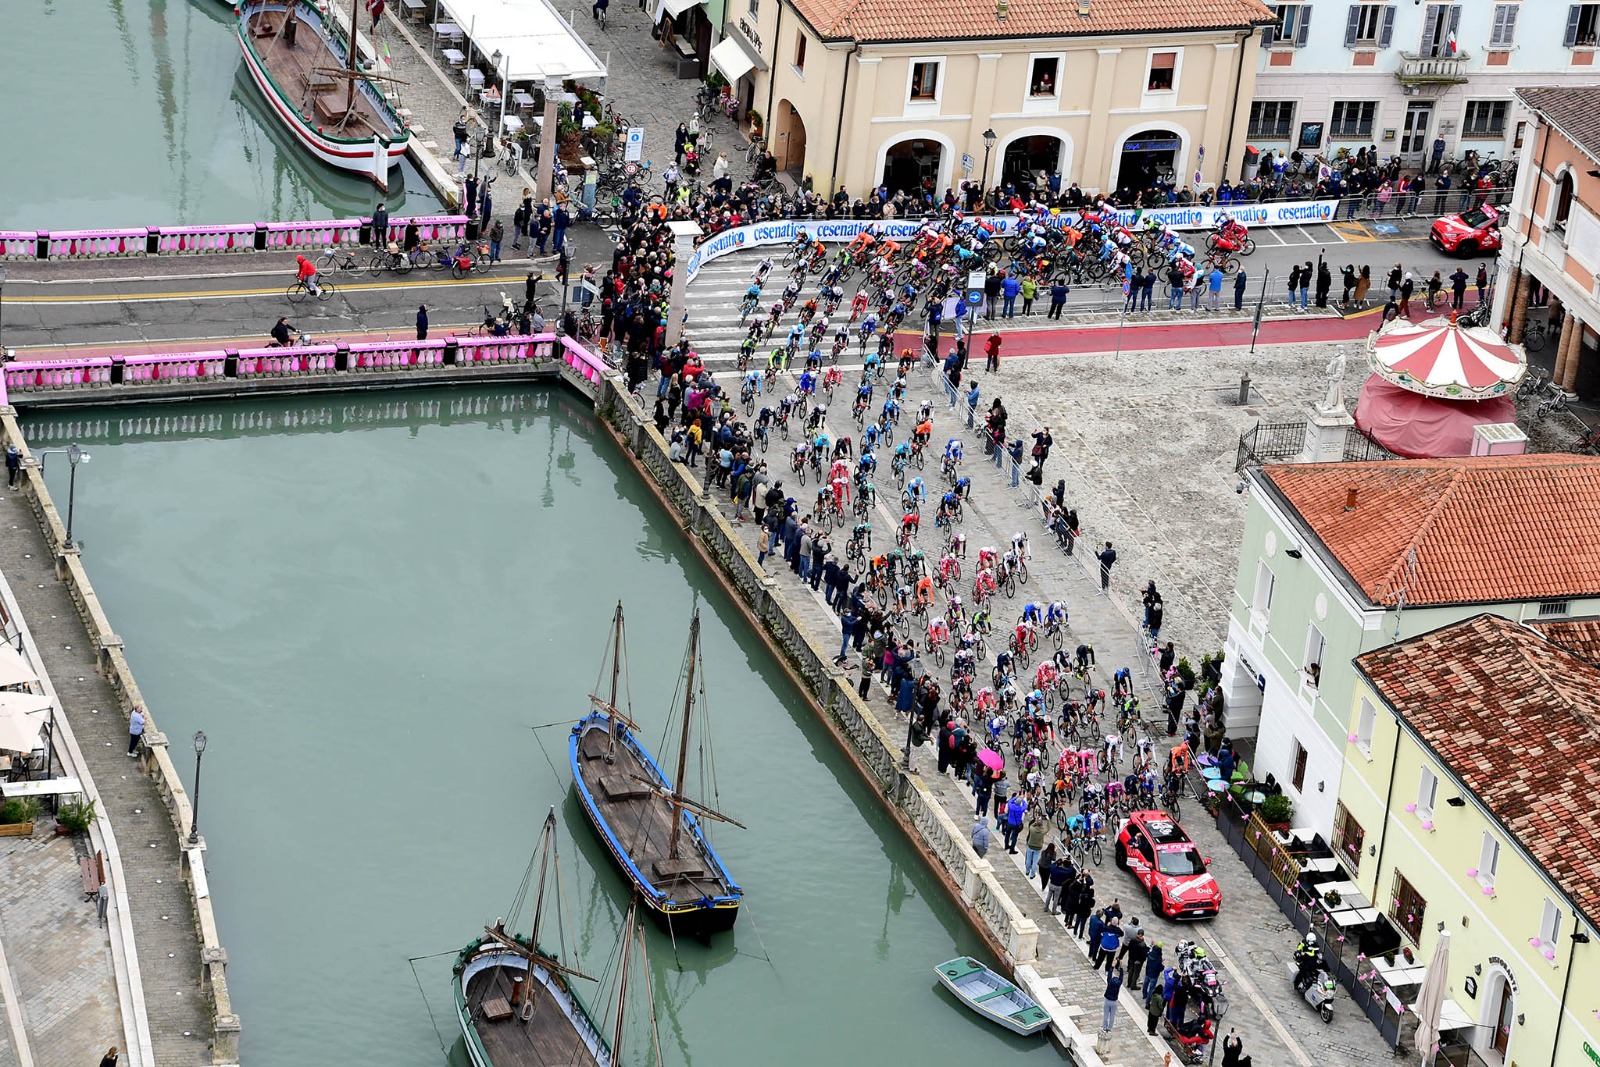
1083,8
1350,499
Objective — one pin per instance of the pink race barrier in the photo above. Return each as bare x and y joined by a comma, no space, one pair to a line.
277,362
19,244
580,359
85,244
317,235
44,375
182,366
173,240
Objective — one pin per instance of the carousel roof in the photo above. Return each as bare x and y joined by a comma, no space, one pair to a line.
1445,360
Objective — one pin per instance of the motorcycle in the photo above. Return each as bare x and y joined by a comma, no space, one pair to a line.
1319,990
1204,983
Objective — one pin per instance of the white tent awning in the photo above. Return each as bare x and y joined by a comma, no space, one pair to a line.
533,37
14,670
732,59
677,7
19,732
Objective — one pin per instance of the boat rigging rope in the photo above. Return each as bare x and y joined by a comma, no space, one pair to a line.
413,962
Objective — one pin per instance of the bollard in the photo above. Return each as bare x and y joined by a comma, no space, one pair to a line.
1244,390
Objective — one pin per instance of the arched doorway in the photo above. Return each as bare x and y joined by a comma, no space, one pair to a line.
1029,160
912,164
1500,1012
789,141
1148,156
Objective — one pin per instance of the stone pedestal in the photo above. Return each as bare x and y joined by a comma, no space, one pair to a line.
1325,435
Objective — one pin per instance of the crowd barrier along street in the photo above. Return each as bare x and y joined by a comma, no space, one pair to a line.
1192,217
139,241
23,378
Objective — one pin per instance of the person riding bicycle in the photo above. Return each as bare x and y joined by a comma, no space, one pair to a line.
787,405
762,270
924,592
963,487
819,415
949,506
807,384
980,621
1085,654
1025,632
1033,612
916,492
1055,614
282,333
938,632
752,382
1122,682
821,446
776,359
306,274
801,450
953,449
891,409
910,523
753,296
763,419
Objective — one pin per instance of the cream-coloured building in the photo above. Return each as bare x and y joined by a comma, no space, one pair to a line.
1106,93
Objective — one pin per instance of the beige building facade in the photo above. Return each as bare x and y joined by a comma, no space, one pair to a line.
902,94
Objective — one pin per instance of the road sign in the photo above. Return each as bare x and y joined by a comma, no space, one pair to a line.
966,163
635,147
976,279
974,298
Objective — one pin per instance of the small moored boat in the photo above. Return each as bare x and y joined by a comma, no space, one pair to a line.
991,996
309,77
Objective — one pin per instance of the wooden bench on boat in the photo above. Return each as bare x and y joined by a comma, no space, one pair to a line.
616,787
330,106
318,83
682,867
496,1010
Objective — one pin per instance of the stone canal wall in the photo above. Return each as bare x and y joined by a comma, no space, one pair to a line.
134,874
881,757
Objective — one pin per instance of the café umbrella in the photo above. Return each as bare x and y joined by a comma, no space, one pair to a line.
19,730
1429,1007
14,670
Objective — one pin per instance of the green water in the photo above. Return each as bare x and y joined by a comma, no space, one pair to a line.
367,603
140,113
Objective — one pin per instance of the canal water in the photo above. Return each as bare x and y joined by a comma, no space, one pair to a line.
368,603
140,113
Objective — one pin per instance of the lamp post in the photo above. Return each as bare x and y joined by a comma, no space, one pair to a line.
989,138
75,455
505,88
194,810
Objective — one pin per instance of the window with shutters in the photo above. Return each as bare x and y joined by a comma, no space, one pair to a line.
1407,908
1353,119
1503,33
1163,74
1488,860
1293,28
1583,22
1427,793
1315,646
1271,120
1298,778
1347,837
1366,723
1261,601
1564,191
1549,928
1369,25
1485,118
1439,25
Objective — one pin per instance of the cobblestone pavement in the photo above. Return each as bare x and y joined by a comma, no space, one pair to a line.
163,921
1250,938
58,951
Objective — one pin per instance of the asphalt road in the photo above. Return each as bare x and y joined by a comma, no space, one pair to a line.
142,303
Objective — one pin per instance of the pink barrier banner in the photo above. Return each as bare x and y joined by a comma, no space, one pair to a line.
239,237
69,244
56,374
258,362
429,227
19,244
323,234
585,362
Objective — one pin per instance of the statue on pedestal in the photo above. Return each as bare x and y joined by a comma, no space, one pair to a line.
1333,403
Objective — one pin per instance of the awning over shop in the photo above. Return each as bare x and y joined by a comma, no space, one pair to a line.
534,38
735,59
675,8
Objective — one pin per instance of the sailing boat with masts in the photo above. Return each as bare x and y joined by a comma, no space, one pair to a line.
309,76
514,999
646,822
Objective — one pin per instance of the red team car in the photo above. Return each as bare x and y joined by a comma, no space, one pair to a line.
1157,851
1468,234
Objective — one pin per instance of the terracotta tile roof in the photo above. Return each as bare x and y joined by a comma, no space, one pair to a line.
912,20
1517,720
1575,111
1581,637
1484,529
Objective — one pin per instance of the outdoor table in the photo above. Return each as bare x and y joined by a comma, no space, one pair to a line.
1354,916
41,787
1210,774
513,124
1255,796
1325,865
414,9
448,30
454,56
522,98
1217,786
1206,759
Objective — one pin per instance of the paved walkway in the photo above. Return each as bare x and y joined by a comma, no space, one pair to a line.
1250,937
59,954
163,921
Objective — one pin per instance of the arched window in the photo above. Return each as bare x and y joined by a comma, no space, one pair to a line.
1565,187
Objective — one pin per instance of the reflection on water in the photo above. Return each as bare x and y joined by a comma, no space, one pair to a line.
150,122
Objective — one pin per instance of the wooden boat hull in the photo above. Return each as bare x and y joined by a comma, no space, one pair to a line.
697,918
988,994
563,1033
370,157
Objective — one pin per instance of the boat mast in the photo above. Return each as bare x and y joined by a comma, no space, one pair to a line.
350,58
622,980
616,669
683,741
546,844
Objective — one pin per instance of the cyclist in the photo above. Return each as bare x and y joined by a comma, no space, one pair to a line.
938,632
910,523
1025,632
1019,544
1055,614
963,487
958,545
747,349
282,333
821,446
923,431
949,505
891,410
1085,653
916,492
306,273
924,592
1033,612
808,383
819,415
762,270
798,461
752,382
1122,682
791,293
868,463
953,450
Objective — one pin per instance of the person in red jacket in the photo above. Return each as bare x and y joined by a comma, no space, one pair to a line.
306,271
992,348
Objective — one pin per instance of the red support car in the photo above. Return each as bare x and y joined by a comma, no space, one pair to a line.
1468,234
1155,849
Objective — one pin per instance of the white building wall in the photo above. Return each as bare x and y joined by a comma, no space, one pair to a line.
1323,70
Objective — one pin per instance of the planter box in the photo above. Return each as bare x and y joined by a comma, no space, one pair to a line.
16,829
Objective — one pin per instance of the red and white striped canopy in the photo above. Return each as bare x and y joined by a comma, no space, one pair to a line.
1442,359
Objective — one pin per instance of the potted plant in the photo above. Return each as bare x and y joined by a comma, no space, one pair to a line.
1276,811
75,817
16,816
1186,673
1211,668
1332,898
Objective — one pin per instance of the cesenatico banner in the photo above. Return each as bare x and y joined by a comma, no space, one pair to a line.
783,231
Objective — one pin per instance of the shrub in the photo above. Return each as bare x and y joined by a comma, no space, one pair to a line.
77,816
19,809
1186,672
1277,808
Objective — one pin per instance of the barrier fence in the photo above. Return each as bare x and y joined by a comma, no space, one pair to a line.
22,378
140,241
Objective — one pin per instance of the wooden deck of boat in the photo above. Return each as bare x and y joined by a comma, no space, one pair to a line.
319,98
642,820
546,1040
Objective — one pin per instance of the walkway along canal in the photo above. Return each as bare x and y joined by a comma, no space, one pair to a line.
367,601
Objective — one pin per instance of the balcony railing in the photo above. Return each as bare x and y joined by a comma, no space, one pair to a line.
1432,70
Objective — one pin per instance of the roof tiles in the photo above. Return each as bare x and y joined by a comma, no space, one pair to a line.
912,20
1574,110
1484,529
1517,719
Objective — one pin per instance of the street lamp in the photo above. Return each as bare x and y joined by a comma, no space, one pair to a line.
75,456
989,138
505,87
194,809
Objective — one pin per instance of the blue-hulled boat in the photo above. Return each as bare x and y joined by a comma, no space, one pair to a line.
652,830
